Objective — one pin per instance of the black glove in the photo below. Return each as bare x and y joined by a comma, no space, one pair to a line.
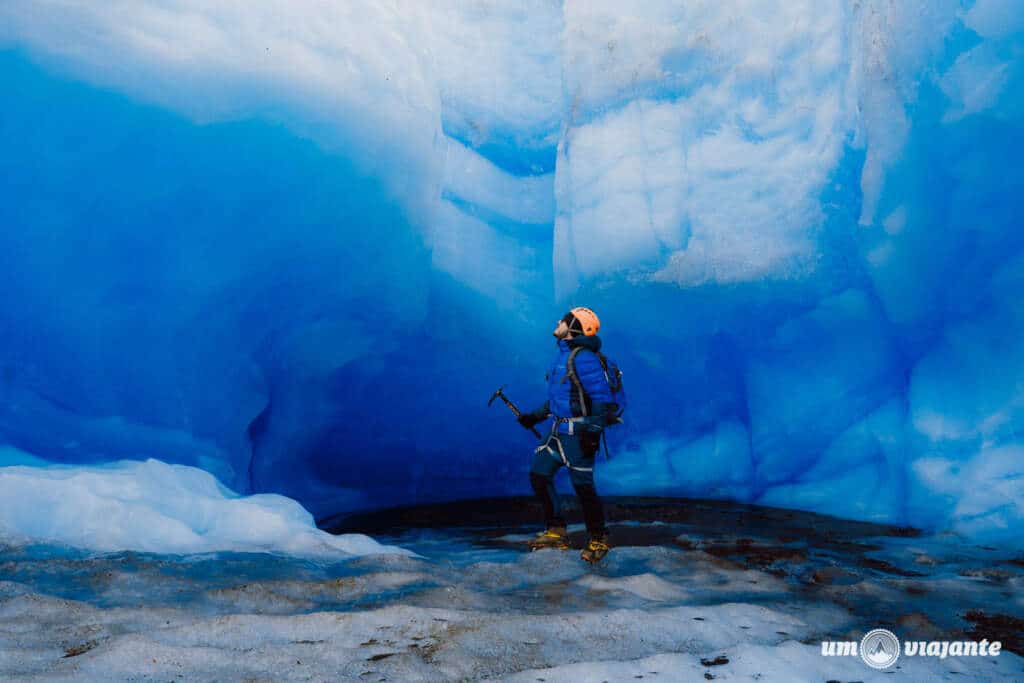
606,414
532,419
590,442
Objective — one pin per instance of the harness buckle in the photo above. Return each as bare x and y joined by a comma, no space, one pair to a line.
571,421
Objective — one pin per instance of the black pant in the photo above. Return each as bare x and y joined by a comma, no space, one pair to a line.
579,456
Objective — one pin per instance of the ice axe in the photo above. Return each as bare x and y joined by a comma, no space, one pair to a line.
500,393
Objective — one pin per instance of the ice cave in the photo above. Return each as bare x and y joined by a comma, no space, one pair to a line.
262,265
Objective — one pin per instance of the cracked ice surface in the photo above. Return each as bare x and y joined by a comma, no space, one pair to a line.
473,605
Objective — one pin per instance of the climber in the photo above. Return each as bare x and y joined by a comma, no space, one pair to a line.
584,396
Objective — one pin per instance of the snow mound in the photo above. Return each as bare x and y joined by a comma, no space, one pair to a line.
155,507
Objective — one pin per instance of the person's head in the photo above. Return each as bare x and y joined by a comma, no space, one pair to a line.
578,321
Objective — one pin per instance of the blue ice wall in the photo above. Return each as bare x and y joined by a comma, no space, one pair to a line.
300,249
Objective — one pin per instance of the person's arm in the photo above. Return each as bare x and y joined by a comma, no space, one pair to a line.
535,417
602,408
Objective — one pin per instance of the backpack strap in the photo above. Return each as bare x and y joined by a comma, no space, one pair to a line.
614,378
570,375
608,378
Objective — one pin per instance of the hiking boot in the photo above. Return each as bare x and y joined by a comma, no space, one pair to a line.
555,537
596,549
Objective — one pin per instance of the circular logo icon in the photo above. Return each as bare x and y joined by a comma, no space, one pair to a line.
880,648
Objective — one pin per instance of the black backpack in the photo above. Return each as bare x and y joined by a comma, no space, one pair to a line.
612,374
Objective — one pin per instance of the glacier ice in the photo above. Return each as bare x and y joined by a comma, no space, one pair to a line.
707,129
298,247
155,507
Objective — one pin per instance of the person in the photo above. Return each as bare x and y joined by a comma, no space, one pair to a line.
581,404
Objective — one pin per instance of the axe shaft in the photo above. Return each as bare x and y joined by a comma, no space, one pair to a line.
516,412
510,404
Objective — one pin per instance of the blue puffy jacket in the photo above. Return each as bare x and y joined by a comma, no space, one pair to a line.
563,400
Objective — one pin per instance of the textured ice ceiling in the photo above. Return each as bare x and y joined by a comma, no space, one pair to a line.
299,244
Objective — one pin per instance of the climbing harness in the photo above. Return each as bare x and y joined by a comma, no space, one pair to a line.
560,455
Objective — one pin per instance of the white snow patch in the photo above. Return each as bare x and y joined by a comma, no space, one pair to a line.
698,139
790,661
995,18
975,82
155,507
647,586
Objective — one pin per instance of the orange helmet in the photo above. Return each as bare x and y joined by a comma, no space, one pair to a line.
587,320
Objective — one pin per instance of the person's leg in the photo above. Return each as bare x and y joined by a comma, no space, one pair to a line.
542,479
581,472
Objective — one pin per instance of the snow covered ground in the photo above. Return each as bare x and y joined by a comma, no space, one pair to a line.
716,592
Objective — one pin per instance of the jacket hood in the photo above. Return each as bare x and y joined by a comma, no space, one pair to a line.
590,343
